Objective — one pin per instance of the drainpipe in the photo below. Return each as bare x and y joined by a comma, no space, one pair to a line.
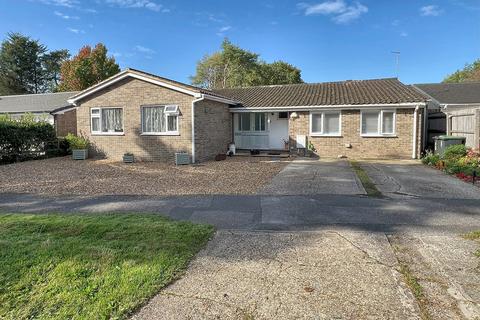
202,97
415,125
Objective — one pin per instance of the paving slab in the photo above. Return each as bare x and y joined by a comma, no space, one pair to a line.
304,275
404,179
448,271
304,177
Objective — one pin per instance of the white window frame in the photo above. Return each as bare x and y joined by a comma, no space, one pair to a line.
252,123
379,132
99,116
166,114
321,133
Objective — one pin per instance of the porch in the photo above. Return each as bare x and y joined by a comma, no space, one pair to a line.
266,131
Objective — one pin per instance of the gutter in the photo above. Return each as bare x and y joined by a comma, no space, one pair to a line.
415,127
202,97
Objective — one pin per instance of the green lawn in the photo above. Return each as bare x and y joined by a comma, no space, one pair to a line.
89,266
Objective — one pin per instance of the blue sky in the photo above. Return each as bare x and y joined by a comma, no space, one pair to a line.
328,40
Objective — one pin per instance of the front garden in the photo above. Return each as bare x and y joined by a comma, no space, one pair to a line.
90,266
457,160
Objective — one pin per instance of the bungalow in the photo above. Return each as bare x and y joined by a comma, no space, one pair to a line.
154,117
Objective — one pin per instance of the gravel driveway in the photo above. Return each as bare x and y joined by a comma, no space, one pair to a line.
63,176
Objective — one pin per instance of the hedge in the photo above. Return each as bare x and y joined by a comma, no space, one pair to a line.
26,139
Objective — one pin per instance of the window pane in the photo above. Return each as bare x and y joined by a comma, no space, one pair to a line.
331,123
153,119
317,122
370,122
95,111
112,120
283,115
259,122
387,126
95,124
172,123
245,121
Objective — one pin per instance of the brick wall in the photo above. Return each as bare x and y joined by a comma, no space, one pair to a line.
66,123
130,94
399,146
213,129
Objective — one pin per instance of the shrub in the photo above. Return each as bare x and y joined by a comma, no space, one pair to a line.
455,152
454,167
431,158
24,139
76,142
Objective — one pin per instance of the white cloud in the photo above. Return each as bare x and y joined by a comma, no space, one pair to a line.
60,3
145,4
340,11
431,11
143,49
222,30
76,31
65,16
225,29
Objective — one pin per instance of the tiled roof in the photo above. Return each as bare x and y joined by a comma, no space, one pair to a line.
43,102
454,93
146,75
352,92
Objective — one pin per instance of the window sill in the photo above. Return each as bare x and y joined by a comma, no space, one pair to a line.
325,135
108,134
160,134
379,136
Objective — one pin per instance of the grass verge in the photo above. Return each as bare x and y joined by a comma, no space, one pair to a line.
417,290
90,266
475,235
368,185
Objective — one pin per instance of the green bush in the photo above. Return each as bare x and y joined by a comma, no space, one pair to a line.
76,142
431,159
455,152
454,167
24,139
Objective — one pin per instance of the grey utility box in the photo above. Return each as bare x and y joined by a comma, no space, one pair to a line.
181,158
443,142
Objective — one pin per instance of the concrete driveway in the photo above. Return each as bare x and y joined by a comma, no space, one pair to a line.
308,177
411,179
321,275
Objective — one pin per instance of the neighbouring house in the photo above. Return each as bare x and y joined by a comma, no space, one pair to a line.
65,120
154,117
458,106
40,105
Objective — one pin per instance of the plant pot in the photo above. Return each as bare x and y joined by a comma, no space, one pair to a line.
128,158
79,154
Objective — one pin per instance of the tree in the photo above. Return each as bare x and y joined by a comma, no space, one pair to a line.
52,63
26,66
88,67
21,65
280,72
471,72
233,67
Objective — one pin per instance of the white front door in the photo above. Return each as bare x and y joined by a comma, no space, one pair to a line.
278,130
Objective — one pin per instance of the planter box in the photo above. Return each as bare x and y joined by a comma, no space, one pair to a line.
129,158
80,154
